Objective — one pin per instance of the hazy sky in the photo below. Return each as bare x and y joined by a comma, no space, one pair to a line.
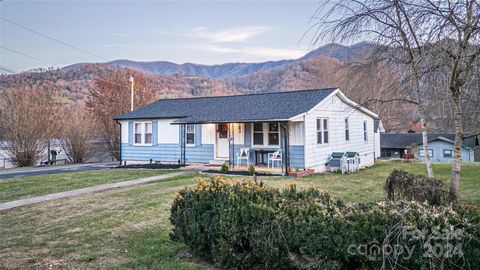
206,32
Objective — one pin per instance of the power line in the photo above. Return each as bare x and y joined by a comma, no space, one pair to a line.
7,69
53,39
26,55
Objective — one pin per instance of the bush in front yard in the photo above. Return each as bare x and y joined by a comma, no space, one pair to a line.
402,185
248,225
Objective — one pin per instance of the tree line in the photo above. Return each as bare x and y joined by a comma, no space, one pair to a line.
31,117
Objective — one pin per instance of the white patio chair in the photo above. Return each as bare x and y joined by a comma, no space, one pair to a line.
275,156
243,154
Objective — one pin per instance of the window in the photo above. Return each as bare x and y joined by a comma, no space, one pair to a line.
447,153
273,135
190,134
138,133
365,133
322,131
347,130
143,133
258,134
148,133
421,153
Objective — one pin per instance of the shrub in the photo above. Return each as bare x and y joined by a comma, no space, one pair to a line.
248,225
251,169
224,168
402,185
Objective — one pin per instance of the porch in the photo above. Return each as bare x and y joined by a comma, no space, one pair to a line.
264,145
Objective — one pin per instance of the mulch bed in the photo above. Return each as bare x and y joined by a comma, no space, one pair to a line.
151,166
241,173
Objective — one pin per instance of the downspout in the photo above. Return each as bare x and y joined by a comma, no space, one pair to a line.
120,144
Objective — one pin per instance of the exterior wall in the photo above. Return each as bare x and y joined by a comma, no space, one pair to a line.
317,155
438,147
166,144
377,145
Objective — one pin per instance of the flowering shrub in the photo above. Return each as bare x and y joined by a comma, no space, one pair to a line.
242,224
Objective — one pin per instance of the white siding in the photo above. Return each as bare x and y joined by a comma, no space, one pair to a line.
317,155
124,125
377,145
239,133
297,133
168,133
208,134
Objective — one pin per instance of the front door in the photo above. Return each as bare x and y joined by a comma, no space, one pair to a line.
222,141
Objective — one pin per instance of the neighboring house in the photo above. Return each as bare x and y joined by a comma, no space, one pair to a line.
55,145
307,125
441,146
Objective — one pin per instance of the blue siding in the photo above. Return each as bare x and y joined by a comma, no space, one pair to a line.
438,147
198,153
167,153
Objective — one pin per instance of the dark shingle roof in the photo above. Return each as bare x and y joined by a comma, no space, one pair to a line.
251,107
405,140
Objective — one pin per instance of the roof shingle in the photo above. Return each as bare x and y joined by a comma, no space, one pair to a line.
239,108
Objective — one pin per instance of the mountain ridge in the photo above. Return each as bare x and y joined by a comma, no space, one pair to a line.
229,70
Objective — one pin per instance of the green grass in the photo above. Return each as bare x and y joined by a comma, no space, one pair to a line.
367,185
124,228
129,228
30,186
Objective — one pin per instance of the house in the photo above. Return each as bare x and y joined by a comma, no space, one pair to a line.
377,130
306,125
441,146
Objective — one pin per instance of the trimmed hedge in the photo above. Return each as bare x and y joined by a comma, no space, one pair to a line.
248,225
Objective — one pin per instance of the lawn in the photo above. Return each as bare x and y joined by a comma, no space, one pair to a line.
129,228
29,186
367,185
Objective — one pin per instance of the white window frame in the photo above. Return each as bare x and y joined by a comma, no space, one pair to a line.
142,133
191,132
365,131
451,153
268,134
347,129
265,133
421,153
322,130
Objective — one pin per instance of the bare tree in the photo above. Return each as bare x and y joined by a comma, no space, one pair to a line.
393,25
430,37
456,24
111,97
29,118
78,134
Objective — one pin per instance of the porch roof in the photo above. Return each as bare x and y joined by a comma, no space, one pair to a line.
276,106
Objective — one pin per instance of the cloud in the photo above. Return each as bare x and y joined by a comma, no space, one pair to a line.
261,53
234,34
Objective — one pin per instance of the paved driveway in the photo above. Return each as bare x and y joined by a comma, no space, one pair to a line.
31,171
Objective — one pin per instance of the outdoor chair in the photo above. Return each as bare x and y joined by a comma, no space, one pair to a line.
243,154
275,156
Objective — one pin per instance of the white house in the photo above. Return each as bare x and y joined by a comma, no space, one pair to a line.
305,126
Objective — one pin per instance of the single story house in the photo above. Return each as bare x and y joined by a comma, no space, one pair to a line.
305,125
441,146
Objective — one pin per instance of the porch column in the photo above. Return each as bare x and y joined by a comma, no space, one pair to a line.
182,144
231,145
285,147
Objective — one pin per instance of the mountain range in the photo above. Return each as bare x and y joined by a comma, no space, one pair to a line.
229,70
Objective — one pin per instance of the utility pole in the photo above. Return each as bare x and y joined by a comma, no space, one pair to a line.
131,92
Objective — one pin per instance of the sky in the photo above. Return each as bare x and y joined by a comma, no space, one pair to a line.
203,32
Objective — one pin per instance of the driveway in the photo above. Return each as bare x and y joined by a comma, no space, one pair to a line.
32,171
